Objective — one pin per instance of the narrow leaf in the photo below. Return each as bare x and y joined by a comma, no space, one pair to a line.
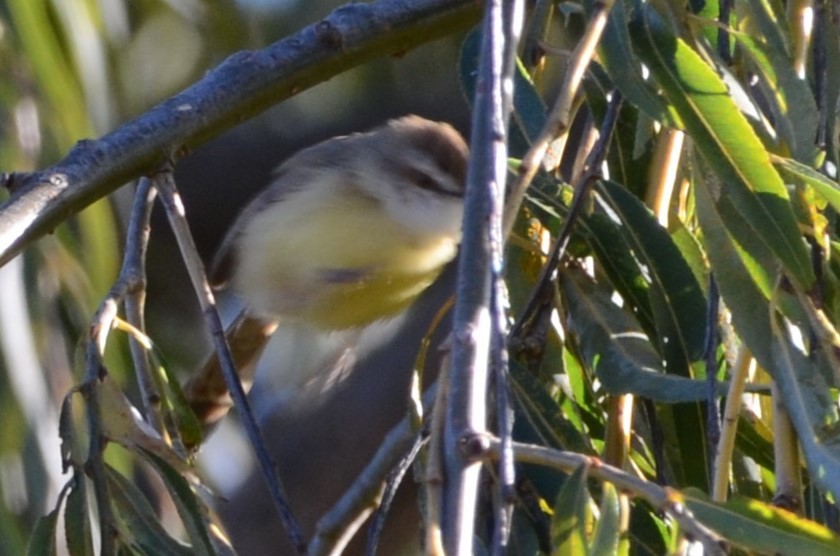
677,301
42,542
757,526
608,529
613,345
728,143
77,524
138,523
803,174
571,511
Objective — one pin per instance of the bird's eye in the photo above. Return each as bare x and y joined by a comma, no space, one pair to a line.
425,181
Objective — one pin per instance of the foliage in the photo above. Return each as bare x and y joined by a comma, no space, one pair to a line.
701,270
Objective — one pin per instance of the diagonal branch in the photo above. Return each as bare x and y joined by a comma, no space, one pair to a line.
244,85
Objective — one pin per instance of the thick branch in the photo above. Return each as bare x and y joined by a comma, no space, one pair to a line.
244,85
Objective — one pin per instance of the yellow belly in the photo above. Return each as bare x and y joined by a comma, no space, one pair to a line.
336,265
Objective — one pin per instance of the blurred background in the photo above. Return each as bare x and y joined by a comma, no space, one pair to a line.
74,69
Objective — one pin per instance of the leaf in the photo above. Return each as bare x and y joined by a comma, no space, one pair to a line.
538,416
726,140
77,524
757,526
805,175
612,344
571,513
677,301
616,54
809,404
42,542
608,529
529,109
124,425
136,521
795,113
190,508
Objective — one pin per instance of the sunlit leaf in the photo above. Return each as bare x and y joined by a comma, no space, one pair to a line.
608,529
759,526
728,143
571,516
800,173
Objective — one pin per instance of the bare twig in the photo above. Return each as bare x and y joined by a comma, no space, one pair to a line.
165,185
558,122
726,444
391,485
486,176
339,525
94,373
244,85
592,171
130,281
133,274
662,498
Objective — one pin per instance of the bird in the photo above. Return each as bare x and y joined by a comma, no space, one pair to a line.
343,240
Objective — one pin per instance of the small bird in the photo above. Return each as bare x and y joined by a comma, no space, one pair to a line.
347,235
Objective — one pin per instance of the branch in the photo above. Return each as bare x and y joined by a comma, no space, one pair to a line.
171,200
478,267
662,498
244,85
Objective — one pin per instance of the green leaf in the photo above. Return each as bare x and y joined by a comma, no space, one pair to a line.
77,525
529,109
794,109
747,302
137,522
42,541
757,526
810,405
613,345
615,53
571,514
608,530
538,416
728,143
190,508
805,175
678,304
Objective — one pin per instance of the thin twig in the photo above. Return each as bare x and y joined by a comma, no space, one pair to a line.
207,391
558,122
434,470
130,280
392,483
133,272
734,400
171,200
337,527
95,464
582,188
662,498
243,86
